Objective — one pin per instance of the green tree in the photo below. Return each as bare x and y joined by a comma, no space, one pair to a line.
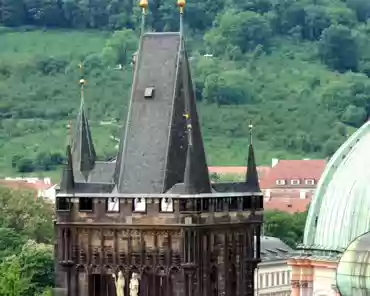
11,242
120,47
288,227
34,220
339,48
13,282
246,30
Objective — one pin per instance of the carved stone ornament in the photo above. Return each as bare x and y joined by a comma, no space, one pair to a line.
295,284
119,283
134,285
304,284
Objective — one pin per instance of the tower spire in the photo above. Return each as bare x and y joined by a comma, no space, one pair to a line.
252,175
83,150
68,182
181,4
144,9
250,127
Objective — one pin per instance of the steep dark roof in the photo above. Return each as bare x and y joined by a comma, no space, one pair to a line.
252,176
67,184
153,149
83,150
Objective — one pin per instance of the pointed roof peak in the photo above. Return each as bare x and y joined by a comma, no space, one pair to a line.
67,183
83,150
196,178
252,175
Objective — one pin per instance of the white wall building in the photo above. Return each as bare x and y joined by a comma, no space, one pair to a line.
273,274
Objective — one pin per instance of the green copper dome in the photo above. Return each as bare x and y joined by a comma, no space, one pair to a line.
353,272
340,209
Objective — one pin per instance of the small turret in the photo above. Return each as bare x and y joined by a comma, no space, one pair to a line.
252,175
83,150
67,184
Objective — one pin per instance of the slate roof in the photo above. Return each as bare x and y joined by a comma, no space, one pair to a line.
161,148
273,249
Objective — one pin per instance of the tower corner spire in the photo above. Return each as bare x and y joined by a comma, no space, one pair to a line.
252,174
181,4
68,183
83,150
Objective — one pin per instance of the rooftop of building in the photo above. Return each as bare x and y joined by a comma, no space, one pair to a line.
340,209
274,249
287,170
287,204
161,147
27,183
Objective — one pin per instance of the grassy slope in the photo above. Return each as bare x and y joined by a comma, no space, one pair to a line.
224,129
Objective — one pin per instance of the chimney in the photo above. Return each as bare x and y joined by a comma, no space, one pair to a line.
47,181
274,162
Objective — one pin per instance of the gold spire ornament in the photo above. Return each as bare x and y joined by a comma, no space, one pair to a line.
181,4
250,127
82,81
144,5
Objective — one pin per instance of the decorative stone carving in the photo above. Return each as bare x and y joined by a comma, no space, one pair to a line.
304,284
120,283
134,285
295,284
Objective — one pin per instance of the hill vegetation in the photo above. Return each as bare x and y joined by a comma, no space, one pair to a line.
26,250
297,68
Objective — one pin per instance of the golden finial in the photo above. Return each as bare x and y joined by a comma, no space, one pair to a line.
250,126
69,130
144,5
82,81
181,4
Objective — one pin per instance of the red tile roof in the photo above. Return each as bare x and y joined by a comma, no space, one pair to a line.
289,205
237,170
293,169
24,185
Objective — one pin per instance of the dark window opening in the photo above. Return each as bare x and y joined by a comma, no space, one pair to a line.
205,204
233,204
316,220
63,204
219,205
247,203
86,204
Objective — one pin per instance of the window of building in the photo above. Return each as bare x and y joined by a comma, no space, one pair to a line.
139,204
63,204
85,204
280,182
295,182
113,204
267,280
283,279
167,205
260,278
310,182
278,278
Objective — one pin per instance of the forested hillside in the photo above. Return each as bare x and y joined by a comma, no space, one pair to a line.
297,68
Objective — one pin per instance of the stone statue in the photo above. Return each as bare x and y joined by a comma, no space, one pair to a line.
120,283
134,285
